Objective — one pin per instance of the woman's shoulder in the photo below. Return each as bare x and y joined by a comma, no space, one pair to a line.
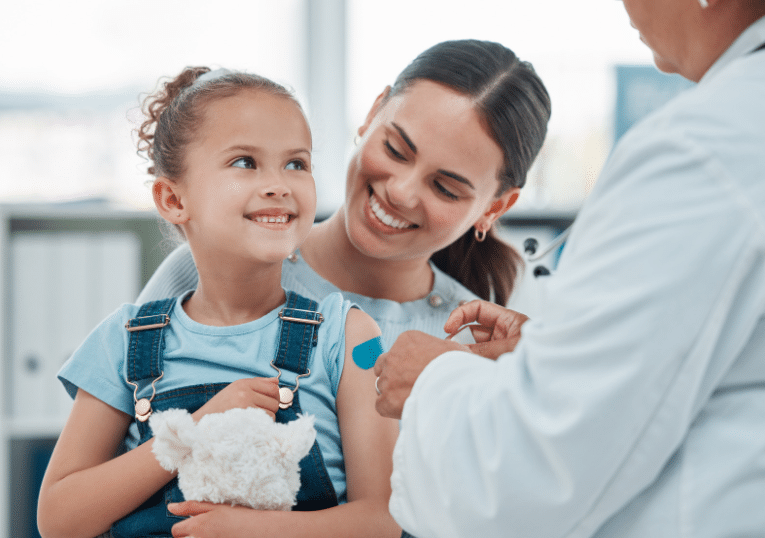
448,291
176,274
300,277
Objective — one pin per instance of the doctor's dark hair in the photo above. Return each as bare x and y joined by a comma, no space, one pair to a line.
515,108
175,113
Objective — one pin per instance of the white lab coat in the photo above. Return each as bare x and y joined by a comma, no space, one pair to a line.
634,404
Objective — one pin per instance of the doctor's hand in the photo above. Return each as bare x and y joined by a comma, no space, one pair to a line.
399,368
496,329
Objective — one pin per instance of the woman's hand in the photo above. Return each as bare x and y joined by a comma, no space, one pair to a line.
262,392
496,329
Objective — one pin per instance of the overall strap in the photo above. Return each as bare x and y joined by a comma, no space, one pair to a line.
299,333
147,343
298,336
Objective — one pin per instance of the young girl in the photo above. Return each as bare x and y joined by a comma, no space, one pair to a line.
231,157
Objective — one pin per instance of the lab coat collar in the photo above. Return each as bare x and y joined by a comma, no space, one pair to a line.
750,39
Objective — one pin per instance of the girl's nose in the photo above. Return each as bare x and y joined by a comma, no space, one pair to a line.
275,187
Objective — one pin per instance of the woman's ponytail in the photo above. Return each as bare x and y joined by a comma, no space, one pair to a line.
488,268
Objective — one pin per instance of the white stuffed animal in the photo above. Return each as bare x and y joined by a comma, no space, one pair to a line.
240,457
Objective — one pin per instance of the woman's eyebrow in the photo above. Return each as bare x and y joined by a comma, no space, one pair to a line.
405,137
446,173
457,177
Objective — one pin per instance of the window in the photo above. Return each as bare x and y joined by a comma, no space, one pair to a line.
69,91
572,45
72,73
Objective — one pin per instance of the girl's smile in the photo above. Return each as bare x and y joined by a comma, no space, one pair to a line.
276,218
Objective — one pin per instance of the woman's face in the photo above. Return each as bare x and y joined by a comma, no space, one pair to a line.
425,171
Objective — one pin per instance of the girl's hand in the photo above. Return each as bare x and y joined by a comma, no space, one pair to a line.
262,392
496,329
211,520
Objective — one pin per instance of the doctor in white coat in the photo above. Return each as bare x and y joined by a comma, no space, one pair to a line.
634,403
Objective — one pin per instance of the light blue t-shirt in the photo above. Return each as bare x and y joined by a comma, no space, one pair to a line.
196,354
178,273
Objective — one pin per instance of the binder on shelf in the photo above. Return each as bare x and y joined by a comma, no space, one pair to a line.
64,285
28,324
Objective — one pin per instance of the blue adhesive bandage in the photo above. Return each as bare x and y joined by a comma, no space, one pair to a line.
365,355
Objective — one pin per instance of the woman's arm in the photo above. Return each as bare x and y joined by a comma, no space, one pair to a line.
368,441
85,488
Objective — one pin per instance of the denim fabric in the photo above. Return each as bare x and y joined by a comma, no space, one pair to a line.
145,358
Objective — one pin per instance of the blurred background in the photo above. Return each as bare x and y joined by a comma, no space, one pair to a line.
77,232
71,74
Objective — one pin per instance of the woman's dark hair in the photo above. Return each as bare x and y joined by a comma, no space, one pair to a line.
515,107
174,113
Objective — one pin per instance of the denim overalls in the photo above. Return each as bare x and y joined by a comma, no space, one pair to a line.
298,337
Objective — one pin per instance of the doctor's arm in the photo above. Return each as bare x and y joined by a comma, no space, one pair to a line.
599,393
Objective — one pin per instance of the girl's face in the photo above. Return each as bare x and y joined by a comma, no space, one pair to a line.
248,191
425,170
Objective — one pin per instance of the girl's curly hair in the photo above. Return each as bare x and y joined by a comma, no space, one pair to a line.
175,112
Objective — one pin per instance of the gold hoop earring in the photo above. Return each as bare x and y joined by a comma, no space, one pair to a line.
356,140
480,235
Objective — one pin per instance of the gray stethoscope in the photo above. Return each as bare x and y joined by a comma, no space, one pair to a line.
533,253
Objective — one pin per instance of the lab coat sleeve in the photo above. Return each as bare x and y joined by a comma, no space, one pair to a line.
553,439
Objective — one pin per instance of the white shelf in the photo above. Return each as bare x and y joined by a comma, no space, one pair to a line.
64,268
39,428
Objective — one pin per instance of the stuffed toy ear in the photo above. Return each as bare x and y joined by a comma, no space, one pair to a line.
174,435
299,436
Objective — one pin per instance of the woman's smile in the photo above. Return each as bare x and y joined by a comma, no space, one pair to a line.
381,216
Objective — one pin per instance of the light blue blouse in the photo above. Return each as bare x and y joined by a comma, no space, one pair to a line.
178,273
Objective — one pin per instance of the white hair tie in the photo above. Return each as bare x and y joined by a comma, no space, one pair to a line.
212,75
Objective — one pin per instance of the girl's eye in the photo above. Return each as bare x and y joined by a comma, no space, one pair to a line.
446,192
296,164
244,162
396,154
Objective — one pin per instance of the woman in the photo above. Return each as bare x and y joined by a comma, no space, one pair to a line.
442,154
634,402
